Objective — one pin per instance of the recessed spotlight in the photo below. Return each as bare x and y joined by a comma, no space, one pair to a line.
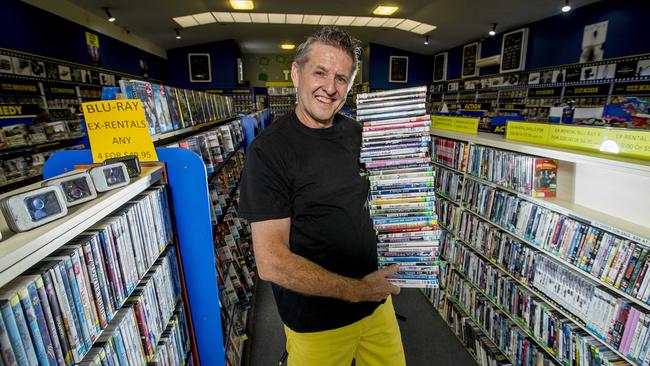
566,8
426,40
178,34
108,14
288,46
242,4
493,31
385,10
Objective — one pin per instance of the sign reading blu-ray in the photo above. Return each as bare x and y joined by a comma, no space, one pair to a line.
118,128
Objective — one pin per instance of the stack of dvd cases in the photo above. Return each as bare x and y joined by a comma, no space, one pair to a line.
395,151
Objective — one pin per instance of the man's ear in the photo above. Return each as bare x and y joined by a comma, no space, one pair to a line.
295,74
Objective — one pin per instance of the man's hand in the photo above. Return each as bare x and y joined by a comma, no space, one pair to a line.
375,287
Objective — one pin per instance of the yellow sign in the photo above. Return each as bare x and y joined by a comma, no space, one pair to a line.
118,128
92,40
576,136
631,143
527,132
456,124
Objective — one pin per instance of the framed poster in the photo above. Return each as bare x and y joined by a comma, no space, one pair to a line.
513,50
200,71
593,42
440,67
470,55
399,69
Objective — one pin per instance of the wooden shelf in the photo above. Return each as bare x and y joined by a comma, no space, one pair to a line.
20,251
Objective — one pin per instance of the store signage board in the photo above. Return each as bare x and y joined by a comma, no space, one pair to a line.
470,55
440,67
513,51
638,88
630,143
596,89
19,110
118,128
465,125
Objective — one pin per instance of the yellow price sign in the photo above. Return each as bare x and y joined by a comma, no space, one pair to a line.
456,124
118,128
92,39
576,137
527,132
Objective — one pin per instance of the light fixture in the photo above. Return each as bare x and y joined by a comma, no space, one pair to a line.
108,14
493,31
242,4
385,10
178,34
426,40
288,46
566,8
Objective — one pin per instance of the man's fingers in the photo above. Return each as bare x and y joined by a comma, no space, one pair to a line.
393,268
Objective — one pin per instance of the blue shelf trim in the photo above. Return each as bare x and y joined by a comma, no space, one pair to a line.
189,193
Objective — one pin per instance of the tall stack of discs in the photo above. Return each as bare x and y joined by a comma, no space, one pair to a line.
395,151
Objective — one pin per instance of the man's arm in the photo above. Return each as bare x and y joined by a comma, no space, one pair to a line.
276,263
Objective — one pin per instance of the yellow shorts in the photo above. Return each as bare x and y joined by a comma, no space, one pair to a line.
372,341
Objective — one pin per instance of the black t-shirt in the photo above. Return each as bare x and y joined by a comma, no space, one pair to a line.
312,176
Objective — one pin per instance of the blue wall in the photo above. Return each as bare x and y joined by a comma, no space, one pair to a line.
419,67
557,40
26,28
223,59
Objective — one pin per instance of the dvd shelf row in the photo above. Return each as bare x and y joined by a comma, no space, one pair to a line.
235,262
57,310
171,109
556,289
133,336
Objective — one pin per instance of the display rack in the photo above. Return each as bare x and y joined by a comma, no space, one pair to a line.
573,166
187,181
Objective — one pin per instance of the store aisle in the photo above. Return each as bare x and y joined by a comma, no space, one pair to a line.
427,339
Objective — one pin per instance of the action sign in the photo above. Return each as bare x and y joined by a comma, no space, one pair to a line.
118,128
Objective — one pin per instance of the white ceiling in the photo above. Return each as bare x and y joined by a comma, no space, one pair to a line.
458,21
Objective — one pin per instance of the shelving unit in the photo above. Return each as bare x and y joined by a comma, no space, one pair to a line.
571,163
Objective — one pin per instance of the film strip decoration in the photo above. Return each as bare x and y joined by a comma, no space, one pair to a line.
26,66
620,69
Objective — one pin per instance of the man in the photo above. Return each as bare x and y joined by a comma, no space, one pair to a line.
312,233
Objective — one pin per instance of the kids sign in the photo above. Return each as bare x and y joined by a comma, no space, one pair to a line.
118,128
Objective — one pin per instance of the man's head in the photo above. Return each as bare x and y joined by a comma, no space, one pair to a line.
323,72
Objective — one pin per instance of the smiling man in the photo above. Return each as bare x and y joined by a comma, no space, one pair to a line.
304,195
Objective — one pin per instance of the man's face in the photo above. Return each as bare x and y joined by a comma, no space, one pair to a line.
322,84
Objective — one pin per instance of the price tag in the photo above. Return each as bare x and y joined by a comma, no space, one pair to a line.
456,124
118,128
536,133
588,138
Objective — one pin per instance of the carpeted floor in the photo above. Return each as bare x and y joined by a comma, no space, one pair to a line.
428,341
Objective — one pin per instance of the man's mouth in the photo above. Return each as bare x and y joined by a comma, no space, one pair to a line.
324,100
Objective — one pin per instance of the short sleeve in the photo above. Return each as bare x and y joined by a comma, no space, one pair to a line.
265,188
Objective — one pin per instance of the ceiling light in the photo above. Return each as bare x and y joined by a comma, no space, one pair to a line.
361,21
426,40
566,8
344,20
407,25
385,10
277,18
260,17
376,22
493,31
393,22
242,4
311,19
223,17
178,34
204,18
108,14
294,18
186,21
328,20
423,28
241,17
288,46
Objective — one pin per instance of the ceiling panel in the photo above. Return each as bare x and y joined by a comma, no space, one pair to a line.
457,22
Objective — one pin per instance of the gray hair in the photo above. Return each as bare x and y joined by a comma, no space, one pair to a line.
330,36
